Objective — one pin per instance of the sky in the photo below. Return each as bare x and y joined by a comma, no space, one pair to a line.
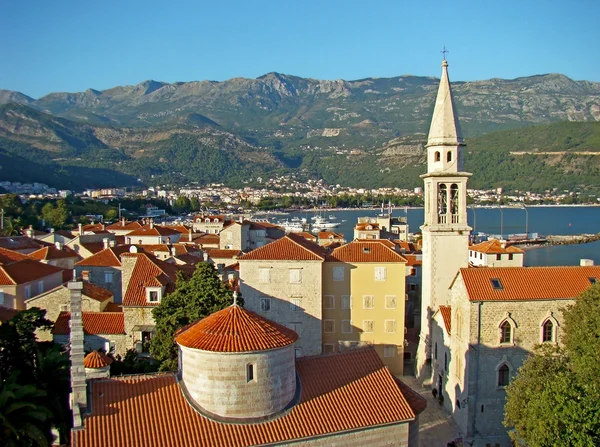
72,45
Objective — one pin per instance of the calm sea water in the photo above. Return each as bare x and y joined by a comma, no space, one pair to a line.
542,220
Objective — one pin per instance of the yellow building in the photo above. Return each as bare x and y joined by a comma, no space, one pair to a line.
363,300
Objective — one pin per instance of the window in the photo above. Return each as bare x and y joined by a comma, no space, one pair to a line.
264,275
295,276
296,304
368,302
1,297
328,348
27,291
329,302
389,351
412,287
346,302
503,375
437,156
390,326
548,331
380,273
496,284
40,285
153,296
505,332
390,301
449,156
368,325
498,257
338,273
510,256
346,327
249,372
329,326
265,304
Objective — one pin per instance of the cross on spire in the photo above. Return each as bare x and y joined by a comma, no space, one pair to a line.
444,51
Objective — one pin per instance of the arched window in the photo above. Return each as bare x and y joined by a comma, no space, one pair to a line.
505,332
437,156
548,331
503,375
449,156
442,199
453,198
249,372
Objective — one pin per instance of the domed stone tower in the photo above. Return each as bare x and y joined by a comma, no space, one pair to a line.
236,365
96,365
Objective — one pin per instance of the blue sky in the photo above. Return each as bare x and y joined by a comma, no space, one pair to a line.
65,45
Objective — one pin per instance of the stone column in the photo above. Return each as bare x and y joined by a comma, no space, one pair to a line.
77,354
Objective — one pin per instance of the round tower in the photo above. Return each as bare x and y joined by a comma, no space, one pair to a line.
237,365
96,365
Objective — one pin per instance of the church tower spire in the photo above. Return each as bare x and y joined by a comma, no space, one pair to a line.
445,229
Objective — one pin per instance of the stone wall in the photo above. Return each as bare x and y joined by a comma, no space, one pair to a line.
96,276
120,342
305,319
400,434
219,384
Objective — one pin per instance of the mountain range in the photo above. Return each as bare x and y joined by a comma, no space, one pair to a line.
368,132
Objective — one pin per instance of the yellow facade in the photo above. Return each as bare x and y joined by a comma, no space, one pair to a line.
365,305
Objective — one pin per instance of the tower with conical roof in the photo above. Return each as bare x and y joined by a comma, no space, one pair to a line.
445,229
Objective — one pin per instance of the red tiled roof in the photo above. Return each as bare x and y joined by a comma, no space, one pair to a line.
217,253
235,329
201,218
412,260
65,233
417,403
493,247
93,323
406,246
153,230
93,247
207,239
113,307
108,257
306,235
365,227
340,393
446,312
385,242
148,272
363,251
528,283
51,252
128,226
25,271
9,256
189,258
19,243
289,247
180,249
330,235
93,228
96,360
95,292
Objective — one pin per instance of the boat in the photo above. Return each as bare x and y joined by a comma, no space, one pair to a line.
292,227
322,224
332,217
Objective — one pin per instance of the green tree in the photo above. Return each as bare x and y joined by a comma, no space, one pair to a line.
555,398
182,205
203,294
195,204
24,420
111,214
55,216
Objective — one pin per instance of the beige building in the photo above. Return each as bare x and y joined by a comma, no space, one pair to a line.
209,224
495,253
363,300
282,281
493,321
57,255
151,234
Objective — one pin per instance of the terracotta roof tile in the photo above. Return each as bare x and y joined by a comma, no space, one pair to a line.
493,247
113,307
417,403
306,235
93,247
51,252
65,233
363,251
446,312
96,360
25,271
330,235
10,256
93,323
19,243
91,228
107,257
153,230
207,239
412,259
235,329
95,292
528,283
124,226
217,253
289,247
367,226
340,392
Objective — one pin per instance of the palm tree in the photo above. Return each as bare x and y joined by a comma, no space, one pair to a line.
23,420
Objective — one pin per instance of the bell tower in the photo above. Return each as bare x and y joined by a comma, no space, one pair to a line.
445,229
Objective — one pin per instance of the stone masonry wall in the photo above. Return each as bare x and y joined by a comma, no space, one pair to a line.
218,383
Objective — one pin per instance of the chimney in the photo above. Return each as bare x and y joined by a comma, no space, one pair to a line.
173,251
80,229
77,354
190,234
123,222
58,245
51,230
151,224
111,243
586,262
85,275
205,256
105,242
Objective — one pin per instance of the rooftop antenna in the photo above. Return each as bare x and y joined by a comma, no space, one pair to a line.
444,51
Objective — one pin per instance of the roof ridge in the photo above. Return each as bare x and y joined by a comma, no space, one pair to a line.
305,247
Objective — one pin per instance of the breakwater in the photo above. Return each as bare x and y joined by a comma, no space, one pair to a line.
571,239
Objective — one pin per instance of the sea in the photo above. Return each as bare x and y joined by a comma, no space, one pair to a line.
543,220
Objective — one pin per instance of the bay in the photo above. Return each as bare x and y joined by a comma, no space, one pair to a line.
544,220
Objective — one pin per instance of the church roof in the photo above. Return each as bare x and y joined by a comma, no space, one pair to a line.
445,129
235,329
341,393
528,283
